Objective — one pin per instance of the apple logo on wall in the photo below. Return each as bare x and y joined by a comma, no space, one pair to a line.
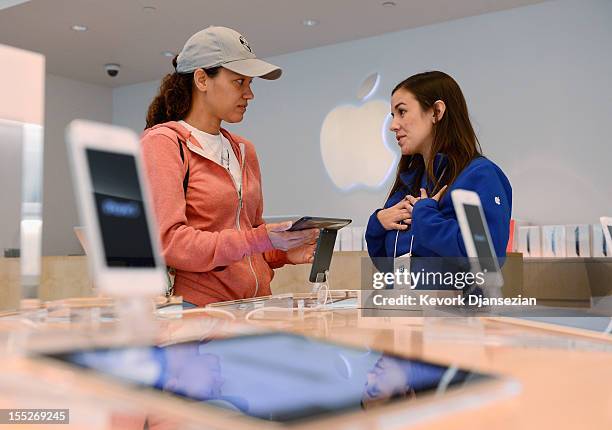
353,144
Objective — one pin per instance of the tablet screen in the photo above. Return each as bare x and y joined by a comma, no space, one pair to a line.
118,200
275,377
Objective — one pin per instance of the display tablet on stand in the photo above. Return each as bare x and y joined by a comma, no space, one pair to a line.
325,245
476,237
114,206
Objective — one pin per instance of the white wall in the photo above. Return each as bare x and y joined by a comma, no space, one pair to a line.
130,104
65,100
536,80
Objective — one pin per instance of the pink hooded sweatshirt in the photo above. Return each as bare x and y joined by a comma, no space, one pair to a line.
214,238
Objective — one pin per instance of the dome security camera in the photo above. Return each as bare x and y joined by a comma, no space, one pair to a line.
112,69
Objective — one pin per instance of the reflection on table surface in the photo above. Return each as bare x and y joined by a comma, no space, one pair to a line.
561,374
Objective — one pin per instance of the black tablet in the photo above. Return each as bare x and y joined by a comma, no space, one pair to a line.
307,222
323,255
276,377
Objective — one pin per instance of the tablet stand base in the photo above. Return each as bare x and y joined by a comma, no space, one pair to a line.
321,287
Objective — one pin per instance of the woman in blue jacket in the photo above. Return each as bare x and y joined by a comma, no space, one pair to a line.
440,153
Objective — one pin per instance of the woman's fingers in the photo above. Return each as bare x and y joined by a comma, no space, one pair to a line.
308,239
285,240
406,205
412,200
294,243
310,253
278,227
439,193
399,205
399,216
402,212
311,233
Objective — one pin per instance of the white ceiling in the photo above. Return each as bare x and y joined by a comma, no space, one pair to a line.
122,31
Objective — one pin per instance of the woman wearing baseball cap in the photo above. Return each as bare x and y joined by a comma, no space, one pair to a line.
206,181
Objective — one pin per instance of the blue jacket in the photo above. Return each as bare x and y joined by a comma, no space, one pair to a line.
434,225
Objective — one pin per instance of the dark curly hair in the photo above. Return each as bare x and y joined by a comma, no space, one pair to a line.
173,99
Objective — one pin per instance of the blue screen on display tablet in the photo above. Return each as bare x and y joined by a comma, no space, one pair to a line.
118,198
275,377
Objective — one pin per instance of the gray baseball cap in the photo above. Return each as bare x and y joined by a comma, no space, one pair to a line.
222,46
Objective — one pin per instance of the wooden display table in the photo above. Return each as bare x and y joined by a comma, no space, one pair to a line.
565,380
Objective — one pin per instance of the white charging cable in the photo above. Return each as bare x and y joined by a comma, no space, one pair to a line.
395,246
321,289
212,311
249,316
252,312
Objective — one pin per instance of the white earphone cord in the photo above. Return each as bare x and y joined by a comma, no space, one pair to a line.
395,246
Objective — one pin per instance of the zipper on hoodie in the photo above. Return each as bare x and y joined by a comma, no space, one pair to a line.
192,147
250,257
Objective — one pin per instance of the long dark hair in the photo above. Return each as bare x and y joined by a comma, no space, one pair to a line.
453,134
173,100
